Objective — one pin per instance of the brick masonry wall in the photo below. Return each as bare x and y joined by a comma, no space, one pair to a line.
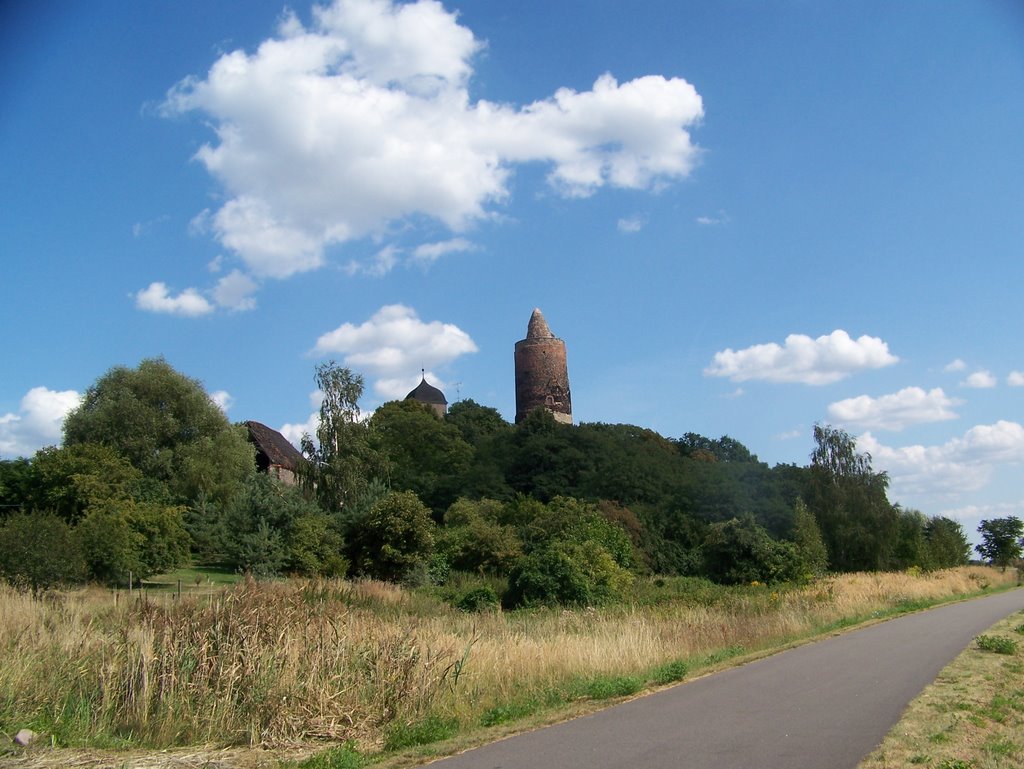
542,378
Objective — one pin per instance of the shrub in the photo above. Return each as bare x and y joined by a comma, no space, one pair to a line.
39,551
740,551
481,598
396,535
670,672
997,644
574,573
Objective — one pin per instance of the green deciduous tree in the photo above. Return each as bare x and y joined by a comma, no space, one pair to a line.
477,424
849,501
474,539
946,544
808,541
425,454
1002,540
340,463
740,551
39,550
394,537
573,553
569,572
18,485
125,539
73,479
167,427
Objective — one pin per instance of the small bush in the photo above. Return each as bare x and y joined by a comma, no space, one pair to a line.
430,729
1019,629
956,763
670,672
482,598
997,644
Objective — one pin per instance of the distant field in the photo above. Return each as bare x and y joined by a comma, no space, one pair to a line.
192,579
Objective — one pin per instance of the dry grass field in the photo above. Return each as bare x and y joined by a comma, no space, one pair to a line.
301,664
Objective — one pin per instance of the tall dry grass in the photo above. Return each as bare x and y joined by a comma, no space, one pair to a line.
293,662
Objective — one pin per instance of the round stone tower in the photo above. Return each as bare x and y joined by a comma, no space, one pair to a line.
542,374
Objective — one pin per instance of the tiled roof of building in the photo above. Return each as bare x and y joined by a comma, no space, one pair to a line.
275,446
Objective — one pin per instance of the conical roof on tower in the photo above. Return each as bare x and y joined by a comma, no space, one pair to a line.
538,327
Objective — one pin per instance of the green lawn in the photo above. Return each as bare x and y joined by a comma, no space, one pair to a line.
193,579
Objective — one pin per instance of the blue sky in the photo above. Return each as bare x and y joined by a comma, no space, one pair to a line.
742,217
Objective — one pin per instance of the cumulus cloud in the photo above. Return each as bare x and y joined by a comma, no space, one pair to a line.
235,291
909,406
394,344
157,298
980,380
223,399
294,431
955,365
38,422
362,120
1015,379
959,465
818,361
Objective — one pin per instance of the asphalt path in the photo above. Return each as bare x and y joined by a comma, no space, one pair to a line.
824,705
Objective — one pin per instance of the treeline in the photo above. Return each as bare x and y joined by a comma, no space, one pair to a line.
151,474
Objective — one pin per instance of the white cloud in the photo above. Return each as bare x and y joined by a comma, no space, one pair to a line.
909,406
818,361
1015,379
632,224
972,515
396,388
362,120
223,399
959,465
235,291
157,298
143,228
294,432
980,380
708,221
956,365
39,421
393,345
428,253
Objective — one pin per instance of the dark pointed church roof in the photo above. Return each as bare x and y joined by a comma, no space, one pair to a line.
538,328
427,393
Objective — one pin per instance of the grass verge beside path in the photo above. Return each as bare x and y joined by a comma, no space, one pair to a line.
972,717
